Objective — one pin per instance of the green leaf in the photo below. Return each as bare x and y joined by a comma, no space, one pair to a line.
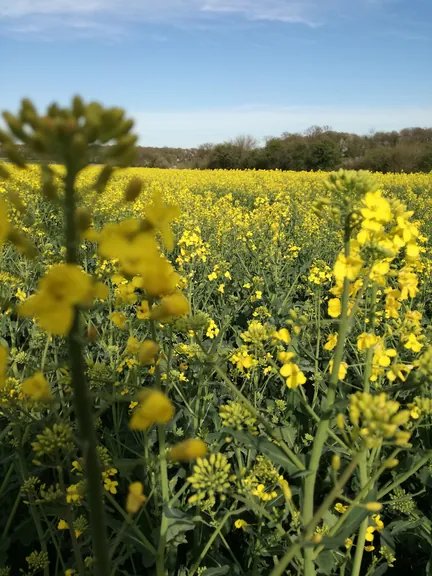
325,562
356,517
178,523
264,446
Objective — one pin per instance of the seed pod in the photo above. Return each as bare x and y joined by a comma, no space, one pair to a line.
15,126
14,155
27,110
16,201
133,189
103,178
4,172
49,189
83,219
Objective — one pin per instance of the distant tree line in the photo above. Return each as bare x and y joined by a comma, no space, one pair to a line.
318,148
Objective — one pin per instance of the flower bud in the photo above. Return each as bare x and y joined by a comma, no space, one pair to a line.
133,189
373,506
336,462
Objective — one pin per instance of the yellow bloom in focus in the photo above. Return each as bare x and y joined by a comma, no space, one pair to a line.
294,376
62,525
413,344
36,387
60,290
348,543
339,507
119,319
343,368
242,359
188,450
154,407
135,498
331,342
282,335
147,352
221,288
347,267
366,341
334,307
408,283
110,485
240,524
369,537
172,306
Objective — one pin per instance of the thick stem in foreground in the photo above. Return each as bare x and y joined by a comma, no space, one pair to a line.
323,426
82,401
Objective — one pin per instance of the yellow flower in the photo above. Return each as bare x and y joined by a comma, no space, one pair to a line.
334,307
188,450
331,342
339,507
382,356
408,283
413,344
369,548
119,319
36,387
132,345
373,506
348,543
62,525
143,311
343,368
160,216
221,288
110,485
347,267
171,306
212,276
240,524
153,408
376,207
147,352
294,376
135,498
242,360
70,572
20,294
370,533
366,341
282,335
60,290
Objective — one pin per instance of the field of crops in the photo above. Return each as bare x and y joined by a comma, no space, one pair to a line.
261,397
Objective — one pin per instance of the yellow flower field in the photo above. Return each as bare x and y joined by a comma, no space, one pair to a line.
209,372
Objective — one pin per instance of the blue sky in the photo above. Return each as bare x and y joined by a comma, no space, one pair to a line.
194,71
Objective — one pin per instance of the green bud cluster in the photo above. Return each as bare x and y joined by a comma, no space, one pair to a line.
54,440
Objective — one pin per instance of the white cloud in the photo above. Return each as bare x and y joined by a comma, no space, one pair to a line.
190,128
309,12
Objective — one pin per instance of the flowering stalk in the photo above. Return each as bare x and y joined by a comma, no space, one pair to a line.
82,398
363,462
160,556
323,426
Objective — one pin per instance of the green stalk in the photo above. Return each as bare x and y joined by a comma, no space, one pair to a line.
323,426
279,570
161,569
358,556
82,399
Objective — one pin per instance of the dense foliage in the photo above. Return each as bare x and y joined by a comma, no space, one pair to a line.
210,372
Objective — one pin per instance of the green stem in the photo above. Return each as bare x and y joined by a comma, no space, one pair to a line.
82,399
323,426
384,491
283,564
358,557
160,560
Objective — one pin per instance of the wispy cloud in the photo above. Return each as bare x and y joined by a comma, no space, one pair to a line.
65,13
194,127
